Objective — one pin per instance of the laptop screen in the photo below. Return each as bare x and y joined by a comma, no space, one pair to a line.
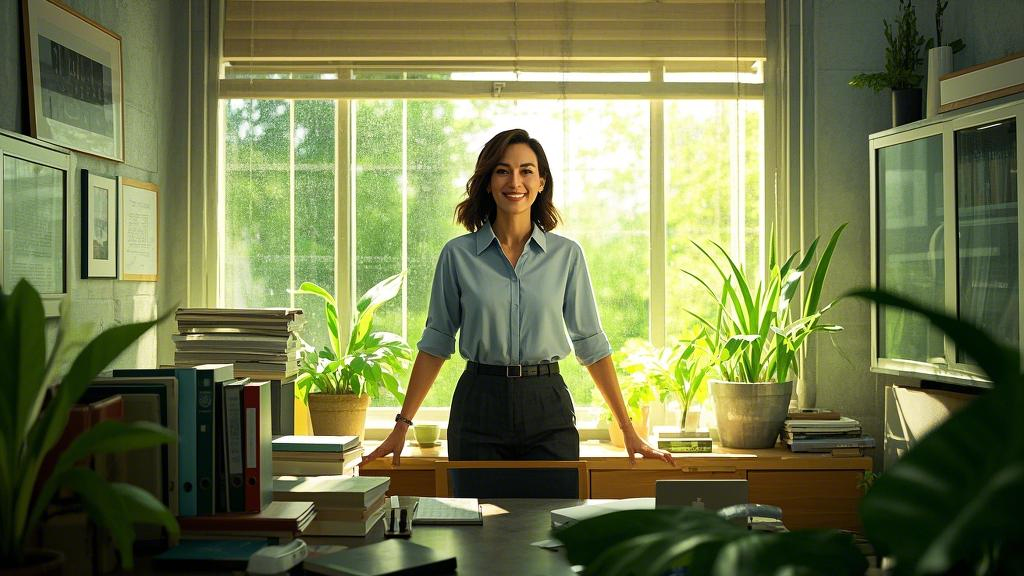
708,494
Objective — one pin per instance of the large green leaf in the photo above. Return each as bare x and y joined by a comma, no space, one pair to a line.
23,358
951,500
369,303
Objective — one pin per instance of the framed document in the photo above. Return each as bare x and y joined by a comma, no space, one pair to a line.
75,89
99,226
139,233
34,187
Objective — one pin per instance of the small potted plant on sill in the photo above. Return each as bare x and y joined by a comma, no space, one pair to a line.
902,59
339,381
755,335
39,390
674,373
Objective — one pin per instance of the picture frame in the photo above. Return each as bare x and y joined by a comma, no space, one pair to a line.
34,182
139,230
75,84
99,226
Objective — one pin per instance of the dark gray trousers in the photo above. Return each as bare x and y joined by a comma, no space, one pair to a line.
499,418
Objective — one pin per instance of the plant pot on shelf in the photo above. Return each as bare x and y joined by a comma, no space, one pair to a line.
338,414
642,429
940,61
38,562
906,106
750,414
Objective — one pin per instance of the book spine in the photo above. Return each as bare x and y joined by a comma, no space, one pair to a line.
187,438
206,436
259,481
700,445
220,451
236,464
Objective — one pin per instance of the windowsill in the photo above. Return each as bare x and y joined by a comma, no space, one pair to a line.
381,420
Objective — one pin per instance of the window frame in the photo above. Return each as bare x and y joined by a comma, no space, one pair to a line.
344,90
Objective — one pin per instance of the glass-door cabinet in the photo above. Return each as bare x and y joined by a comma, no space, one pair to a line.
945,233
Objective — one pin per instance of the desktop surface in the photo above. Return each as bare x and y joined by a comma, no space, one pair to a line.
500,547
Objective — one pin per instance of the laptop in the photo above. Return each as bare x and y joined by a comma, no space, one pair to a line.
708,494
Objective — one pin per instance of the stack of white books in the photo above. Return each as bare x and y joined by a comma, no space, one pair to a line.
260,342
810,435
346,505
316,455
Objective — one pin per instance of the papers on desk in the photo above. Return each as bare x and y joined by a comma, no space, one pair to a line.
573,514
387,558
442,511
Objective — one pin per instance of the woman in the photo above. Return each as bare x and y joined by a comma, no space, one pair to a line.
514,289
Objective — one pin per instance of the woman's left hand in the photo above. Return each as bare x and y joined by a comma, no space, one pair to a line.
636,445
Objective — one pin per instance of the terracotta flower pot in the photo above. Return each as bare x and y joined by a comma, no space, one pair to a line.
38,562
338,414
615,433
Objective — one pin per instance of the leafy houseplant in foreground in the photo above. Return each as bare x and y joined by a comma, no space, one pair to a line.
946,508
31,424
341,378
754,336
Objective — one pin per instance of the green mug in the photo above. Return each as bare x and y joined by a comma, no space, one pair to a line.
426,434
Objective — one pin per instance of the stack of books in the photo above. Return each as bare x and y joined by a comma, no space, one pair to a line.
830,432
346,505
280,521
685,441
316,455
260,342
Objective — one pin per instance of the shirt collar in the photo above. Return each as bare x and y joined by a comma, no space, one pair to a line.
485,235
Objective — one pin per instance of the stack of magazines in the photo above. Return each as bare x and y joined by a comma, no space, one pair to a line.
825,435
260,342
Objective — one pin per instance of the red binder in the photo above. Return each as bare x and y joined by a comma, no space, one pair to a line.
259,481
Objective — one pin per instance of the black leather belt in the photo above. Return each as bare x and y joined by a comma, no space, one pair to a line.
515,371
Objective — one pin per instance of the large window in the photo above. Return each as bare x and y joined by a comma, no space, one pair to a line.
407,165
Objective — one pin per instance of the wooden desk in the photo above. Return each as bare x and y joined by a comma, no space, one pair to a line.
813,490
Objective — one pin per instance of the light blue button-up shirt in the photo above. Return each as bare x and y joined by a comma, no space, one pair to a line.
525,315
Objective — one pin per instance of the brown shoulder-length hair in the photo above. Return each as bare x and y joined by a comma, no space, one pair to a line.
479,206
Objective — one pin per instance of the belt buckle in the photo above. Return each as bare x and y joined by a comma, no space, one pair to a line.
517,373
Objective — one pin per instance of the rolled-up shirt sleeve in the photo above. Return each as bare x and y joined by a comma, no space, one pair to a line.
580,312
444,314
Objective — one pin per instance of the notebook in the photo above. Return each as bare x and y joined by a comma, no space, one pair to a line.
448,511
392,557
708,494
573,514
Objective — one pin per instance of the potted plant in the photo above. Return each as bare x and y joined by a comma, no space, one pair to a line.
338,382
947,507
940,58
755,336
39,389
902,59
675,373
638,390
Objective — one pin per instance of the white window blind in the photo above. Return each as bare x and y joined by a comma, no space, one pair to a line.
520,35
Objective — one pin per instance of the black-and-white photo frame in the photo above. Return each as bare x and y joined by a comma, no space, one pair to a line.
99,226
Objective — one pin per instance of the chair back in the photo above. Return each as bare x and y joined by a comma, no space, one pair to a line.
513,479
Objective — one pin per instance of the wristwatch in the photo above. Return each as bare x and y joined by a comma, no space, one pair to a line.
400,418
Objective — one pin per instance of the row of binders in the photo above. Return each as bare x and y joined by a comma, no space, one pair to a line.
222,461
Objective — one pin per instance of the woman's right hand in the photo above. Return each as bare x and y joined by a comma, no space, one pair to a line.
393,445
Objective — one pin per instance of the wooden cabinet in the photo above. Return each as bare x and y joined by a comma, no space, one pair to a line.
813,490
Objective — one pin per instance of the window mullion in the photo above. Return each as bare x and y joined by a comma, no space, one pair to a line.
658,235
291,203
344,212
405,217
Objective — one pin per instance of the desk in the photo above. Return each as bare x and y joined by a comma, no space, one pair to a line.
498,548
813,490
501,546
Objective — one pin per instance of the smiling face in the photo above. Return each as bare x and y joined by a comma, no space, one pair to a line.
516,181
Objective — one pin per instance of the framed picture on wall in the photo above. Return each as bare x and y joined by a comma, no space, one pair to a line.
34,182
75,88
139,232
99,226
